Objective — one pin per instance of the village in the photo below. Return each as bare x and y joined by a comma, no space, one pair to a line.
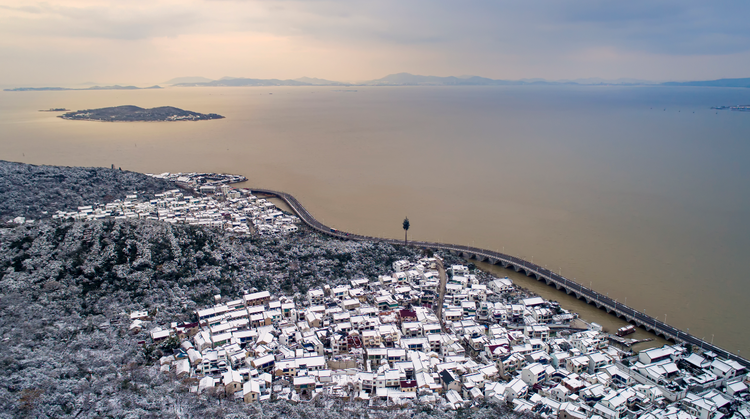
195,180
216,204
423,334
380,341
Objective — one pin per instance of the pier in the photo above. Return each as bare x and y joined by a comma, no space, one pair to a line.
537,272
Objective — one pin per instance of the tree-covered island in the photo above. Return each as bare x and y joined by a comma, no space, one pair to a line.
130,113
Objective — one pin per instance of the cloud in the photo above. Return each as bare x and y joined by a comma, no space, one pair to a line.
22,9
117,20
670,27
494,38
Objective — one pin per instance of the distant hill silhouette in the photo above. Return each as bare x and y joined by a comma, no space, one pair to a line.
406,79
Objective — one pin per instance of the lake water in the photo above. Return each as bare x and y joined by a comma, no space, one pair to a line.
641,192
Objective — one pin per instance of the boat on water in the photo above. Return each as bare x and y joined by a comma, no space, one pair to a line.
626,330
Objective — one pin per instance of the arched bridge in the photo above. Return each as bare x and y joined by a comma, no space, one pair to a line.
570,287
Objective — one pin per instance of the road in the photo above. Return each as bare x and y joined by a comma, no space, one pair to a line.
441,292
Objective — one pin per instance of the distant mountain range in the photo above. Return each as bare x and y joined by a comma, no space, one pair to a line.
406,79
399,79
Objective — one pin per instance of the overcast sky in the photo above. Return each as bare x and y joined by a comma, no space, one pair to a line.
150,41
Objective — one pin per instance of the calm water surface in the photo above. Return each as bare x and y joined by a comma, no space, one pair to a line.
641,192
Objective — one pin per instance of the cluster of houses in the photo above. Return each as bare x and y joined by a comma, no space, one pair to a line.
195,180
222,206
381,341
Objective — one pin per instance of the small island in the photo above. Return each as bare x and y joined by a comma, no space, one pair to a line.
54,110
740,108
130,113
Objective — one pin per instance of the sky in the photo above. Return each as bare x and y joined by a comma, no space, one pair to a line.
143,42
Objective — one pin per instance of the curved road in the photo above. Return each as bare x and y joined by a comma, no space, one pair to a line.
571,287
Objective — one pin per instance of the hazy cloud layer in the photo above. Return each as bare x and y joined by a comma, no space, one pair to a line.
143,41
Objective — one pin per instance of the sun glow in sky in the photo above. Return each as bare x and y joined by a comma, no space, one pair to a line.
150,41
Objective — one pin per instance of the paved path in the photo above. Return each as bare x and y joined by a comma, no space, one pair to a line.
541,274
441,292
